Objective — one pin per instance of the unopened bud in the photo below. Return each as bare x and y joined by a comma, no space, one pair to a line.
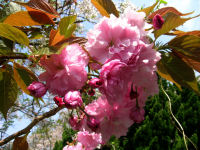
58,101
158,21
37,89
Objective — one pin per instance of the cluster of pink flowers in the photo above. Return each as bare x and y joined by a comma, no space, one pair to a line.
119,49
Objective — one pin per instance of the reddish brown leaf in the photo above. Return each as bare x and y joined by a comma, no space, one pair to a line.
191,62
182,33
20,143
56,40
165,10
42,5
25,18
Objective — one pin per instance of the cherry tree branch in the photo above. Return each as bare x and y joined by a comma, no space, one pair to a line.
31,125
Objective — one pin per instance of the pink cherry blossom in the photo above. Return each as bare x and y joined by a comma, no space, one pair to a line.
75,122
114,119
95,82
65,71
78,146
73,99
37,89
89,140
112,37
115,76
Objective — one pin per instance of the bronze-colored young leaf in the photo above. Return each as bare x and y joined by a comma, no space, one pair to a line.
20,143
67,26
191,62
105,7
149,9
181,33
171,22
42,5
8,90
165,10
28,18
13,34
24,77
179,71
189,45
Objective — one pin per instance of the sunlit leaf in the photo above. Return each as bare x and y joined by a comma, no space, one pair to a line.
28,18
171,22
181,33
149,9
20,143
164,73
179,71
13,34
8,90
105,7
67,26
189,45
24,77
165,10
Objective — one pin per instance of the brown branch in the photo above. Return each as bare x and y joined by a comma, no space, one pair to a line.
31,125
13,57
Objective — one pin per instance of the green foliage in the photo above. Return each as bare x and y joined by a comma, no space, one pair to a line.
8,90
67,135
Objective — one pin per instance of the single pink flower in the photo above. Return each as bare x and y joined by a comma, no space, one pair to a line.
65,71
158,21
89,140
37,89
73,99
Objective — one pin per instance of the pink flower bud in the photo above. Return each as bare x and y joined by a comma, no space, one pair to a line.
95,82
93,123
75,123
37,89
73,99
91,92
58,101
158,21
137,115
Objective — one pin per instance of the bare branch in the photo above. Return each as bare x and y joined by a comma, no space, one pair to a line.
31,125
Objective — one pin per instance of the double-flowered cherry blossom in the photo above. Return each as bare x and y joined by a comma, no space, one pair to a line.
65,71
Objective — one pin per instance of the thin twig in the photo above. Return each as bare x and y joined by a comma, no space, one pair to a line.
31,125
176,120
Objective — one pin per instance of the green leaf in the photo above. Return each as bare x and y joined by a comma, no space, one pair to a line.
171,22
13,34
179,71
67,26
24,77
8,90
105,7
149,9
